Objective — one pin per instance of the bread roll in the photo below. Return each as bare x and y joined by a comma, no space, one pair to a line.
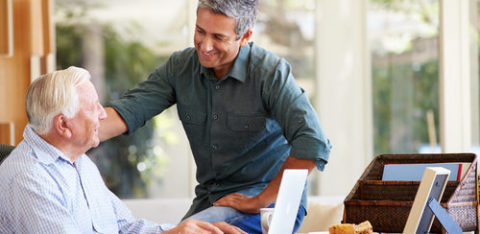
347,228
364,228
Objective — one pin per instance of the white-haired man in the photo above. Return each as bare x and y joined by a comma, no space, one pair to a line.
49,185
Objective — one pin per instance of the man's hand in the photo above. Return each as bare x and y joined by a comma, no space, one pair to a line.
241,203
111,126
248,204
228,229
195,226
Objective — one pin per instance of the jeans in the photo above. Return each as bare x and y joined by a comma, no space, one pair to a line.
249,223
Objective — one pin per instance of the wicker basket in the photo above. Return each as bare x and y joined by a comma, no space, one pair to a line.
386,204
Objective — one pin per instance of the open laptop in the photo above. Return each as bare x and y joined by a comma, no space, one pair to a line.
288,201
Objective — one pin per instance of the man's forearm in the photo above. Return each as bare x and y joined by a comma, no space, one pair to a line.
250,204
269,194
112,126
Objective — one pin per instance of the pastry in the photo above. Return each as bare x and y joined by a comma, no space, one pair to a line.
348,228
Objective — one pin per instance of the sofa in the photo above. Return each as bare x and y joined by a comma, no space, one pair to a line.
322,211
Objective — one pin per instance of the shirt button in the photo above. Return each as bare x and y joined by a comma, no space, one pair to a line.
215,116
217,87
214,147
187,117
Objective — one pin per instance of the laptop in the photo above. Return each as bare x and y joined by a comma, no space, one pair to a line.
288,201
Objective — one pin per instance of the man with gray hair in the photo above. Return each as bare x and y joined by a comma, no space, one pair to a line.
245,117
49,185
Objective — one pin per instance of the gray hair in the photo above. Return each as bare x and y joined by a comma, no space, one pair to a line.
243,11
52,94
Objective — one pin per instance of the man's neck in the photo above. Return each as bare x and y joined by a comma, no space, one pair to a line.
221,71
219,74
71,152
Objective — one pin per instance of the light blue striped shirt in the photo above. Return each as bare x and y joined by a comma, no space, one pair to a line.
43,192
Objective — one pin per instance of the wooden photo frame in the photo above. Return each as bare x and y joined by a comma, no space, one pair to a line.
431,187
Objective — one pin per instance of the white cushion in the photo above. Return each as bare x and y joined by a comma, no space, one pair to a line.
170,210
322,212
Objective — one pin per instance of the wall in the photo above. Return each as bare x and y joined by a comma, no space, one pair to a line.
343,86
30,57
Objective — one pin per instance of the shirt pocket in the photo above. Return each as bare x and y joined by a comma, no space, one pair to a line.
194,124
246,122
189,116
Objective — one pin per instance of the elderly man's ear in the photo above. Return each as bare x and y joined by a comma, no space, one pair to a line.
61,126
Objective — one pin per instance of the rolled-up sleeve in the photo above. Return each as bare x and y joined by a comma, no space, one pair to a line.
289,105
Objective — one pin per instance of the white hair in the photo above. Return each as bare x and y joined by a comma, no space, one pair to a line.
52,94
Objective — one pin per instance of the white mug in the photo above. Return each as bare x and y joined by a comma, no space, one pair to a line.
266,215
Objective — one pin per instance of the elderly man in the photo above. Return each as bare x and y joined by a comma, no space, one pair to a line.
246,118
49,185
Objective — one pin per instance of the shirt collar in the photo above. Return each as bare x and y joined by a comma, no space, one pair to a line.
45,152
239,68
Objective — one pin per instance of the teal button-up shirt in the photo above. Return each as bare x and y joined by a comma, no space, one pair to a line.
241,128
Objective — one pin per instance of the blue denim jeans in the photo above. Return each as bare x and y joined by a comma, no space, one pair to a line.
249,223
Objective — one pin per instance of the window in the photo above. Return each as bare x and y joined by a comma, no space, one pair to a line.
372,69
287,28
121,42
403,38
120,47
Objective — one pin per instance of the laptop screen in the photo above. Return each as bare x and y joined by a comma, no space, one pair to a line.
288,201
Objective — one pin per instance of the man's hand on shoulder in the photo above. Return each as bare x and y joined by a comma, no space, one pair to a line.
241,202
200,227
111,126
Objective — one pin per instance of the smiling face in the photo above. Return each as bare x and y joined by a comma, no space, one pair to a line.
215,41
84,125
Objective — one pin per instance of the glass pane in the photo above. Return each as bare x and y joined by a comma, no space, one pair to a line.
287,28
120,43
403,37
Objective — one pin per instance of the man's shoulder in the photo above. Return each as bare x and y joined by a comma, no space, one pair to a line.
262,59
21,166
184,56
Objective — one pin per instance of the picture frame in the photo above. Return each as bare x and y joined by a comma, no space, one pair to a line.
426,204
